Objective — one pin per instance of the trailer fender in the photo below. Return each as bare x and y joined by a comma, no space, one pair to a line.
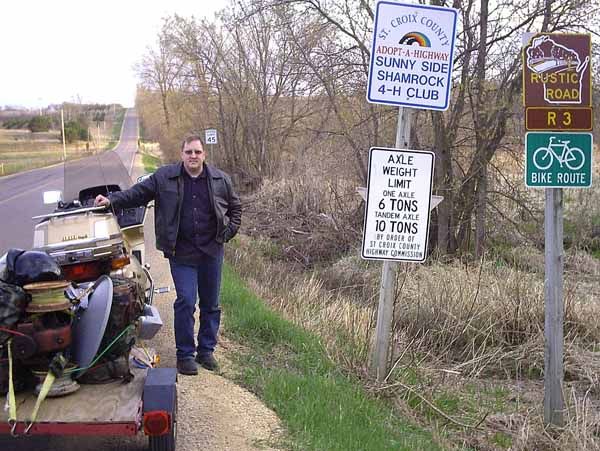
160,394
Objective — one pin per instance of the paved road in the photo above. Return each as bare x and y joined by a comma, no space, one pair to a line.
21,194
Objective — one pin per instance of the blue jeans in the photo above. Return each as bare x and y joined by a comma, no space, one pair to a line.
199,281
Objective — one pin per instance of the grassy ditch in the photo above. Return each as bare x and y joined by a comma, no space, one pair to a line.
468,347
150,162
289,369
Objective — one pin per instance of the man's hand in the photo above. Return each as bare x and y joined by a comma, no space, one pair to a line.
101,201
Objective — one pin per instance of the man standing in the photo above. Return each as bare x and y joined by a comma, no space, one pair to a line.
196,211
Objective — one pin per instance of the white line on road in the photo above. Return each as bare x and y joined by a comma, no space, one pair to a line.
23,193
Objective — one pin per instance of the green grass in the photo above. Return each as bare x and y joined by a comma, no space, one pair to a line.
287,367
150,162
504,441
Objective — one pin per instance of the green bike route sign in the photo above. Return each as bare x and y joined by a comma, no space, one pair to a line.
558,160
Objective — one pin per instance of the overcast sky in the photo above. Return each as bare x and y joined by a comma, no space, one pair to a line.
65,50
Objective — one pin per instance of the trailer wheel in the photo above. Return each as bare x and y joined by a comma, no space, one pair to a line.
166,442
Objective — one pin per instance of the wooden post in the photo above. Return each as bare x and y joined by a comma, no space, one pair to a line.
385,309
385,313
554,402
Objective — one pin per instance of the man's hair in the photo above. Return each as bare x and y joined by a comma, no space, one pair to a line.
188,139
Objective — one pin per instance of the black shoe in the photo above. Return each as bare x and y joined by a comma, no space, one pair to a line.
187,367
208,362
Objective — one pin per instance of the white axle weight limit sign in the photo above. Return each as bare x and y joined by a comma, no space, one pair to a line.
411,56
398,205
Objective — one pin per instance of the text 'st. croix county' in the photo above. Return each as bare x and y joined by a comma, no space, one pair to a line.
411,59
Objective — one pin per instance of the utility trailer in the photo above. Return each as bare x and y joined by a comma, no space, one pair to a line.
147,404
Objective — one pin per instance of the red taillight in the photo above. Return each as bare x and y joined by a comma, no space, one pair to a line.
157,422
82,272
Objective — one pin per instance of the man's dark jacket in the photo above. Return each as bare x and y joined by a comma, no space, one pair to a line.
165,187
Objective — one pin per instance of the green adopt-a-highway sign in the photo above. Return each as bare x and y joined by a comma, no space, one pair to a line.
558,160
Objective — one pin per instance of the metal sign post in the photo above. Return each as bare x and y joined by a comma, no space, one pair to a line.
557,98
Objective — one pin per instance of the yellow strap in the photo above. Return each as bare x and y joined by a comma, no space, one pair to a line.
46,386
12,402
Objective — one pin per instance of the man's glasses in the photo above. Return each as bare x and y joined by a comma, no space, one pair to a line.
190,151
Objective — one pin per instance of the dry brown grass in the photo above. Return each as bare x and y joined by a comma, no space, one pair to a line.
312,219
468,352
343,324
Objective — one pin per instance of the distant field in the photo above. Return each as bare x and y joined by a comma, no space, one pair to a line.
20,135
21,150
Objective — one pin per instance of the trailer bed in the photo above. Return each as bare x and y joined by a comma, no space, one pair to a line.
99,409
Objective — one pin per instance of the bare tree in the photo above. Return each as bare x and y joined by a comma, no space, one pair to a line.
160,68
242,75
278,75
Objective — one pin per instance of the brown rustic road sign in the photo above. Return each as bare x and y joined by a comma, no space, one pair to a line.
557,71
561,119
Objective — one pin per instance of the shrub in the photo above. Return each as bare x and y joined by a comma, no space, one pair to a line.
15,123
39,124
99,116
75,130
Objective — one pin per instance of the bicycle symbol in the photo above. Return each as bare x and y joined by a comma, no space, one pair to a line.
572,157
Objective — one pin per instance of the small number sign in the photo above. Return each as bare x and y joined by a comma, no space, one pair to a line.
210,136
